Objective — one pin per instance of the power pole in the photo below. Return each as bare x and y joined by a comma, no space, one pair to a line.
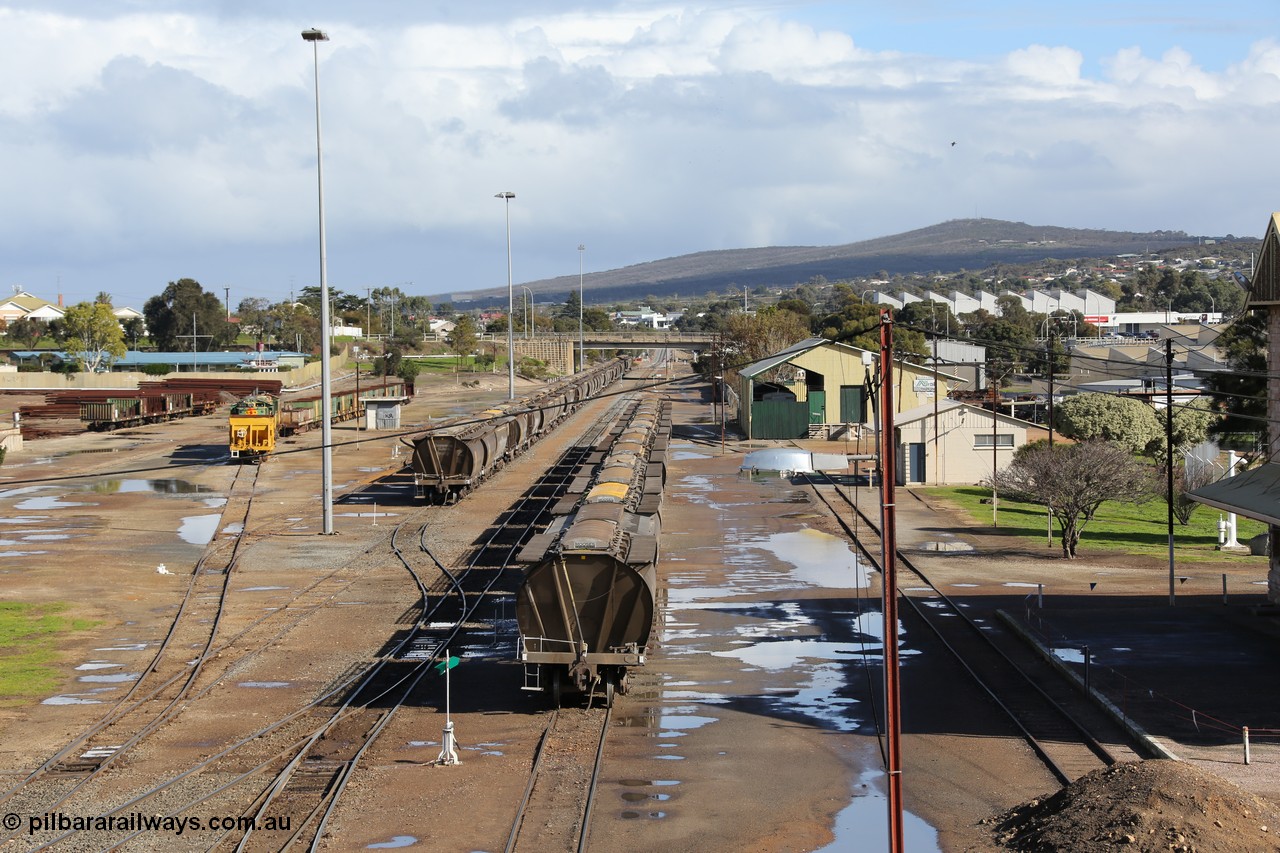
1168,448
889,593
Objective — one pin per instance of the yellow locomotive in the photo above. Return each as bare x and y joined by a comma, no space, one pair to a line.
254,424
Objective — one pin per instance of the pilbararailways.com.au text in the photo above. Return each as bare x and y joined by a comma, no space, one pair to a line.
138,822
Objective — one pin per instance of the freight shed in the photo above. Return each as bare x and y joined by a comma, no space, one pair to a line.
821,389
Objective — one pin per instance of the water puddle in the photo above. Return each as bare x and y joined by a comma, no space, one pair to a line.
98,664
24,519
198,529
70,699
49,502
863,825
21,553
265,684
397,841
820,559
131,647
262,588
45,537
117,678
161,487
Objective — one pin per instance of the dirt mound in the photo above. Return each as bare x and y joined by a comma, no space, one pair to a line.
1144,805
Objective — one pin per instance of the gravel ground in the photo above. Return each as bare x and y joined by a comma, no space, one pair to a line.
751,729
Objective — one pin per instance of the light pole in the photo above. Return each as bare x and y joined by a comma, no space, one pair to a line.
582,352
326,458
511,303
531,330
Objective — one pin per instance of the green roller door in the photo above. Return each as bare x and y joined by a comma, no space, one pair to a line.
779,419
852,405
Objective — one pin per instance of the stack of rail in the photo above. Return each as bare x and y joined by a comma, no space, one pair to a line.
74,411
459,454
585,607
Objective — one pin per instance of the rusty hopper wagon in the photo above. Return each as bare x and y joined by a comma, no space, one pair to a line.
459,454
585,607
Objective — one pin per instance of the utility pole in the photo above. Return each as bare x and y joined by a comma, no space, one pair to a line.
227,302
995,456
889,592
1168,447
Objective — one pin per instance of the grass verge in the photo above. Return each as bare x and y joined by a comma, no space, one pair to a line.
28,634
1139,529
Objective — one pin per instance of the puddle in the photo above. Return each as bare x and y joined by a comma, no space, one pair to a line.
49,502
397,841
198,529
1068,655
1022,584
630,815
233,529
262,588
161,486
266,684
45,537
70,699
21,553
820,559
24,519
97,664
863,825
117,678
131,647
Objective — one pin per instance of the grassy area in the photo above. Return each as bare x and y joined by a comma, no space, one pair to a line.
1130,528
27,639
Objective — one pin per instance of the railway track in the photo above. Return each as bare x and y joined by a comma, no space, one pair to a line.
1071,735
171,675
313,780
555,812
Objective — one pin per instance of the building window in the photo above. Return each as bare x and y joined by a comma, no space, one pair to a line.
983,439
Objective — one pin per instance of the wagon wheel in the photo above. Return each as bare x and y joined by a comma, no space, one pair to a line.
610,683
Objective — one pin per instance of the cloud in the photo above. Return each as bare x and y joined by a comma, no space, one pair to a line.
147,136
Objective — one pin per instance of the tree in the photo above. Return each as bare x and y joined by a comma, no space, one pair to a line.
1191,424
756,336
462,339
1241,392
254,314
93,334
184,309
1127,421
1073,480
28,331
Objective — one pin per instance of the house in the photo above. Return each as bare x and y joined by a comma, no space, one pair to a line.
23,304
820,388
954,443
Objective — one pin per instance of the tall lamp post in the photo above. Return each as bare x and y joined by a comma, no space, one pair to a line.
511,303
582,352
326,464
531,328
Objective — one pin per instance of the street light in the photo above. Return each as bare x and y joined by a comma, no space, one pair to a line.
326,458
531,330
511,302
582,353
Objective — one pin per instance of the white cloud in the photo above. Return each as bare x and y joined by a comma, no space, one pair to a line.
135,141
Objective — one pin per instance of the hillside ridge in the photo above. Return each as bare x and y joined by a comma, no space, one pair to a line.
948,247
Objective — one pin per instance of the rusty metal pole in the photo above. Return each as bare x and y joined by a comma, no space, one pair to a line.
888,556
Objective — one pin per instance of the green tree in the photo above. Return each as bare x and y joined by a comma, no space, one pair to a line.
27,331
254,315
185,309
1240,393
1126,421
1191,424
93,334
1073,480
462,339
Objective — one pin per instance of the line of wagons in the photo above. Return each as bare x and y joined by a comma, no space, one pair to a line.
453,458
586,602
258,420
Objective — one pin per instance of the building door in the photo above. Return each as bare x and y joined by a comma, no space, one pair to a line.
817,407
852,405
915,455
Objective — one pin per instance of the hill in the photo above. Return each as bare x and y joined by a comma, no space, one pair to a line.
961,244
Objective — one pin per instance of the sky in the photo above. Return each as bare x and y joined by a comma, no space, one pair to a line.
144,141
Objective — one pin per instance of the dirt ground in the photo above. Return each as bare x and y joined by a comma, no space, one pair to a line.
751,729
